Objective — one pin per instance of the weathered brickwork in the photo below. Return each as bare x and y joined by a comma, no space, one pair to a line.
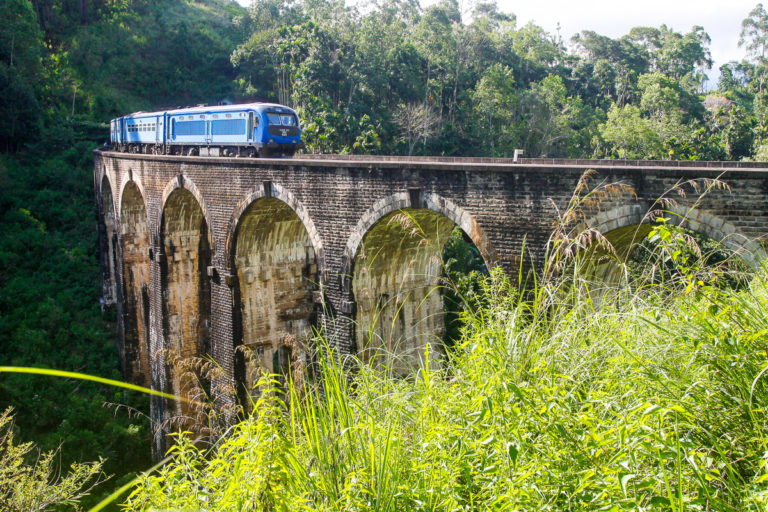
239,258
184,263
134,232
276,275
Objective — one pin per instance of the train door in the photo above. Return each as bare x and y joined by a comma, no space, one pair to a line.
160,126
208,131
251,126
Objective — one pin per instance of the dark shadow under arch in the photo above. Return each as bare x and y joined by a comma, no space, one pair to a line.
108,235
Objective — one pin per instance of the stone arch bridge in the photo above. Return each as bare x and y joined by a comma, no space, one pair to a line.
240,259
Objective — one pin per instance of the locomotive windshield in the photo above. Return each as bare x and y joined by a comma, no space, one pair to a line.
281,119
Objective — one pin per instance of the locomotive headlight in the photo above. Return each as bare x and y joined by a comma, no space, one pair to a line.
271,140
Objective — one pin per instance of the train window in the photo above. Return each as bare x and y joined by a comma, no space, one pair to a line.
215,116
281,119
228,127
181,118
202,116
227,115
190,128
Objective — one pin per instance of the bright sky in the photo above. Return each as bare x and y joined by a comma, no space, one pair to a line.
614,18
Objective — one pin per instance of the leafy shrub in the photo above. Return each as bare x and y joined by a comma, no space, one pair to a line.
652,403
36,487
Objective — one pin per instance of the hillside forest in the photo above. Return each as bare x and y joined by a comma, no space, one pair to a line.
374,77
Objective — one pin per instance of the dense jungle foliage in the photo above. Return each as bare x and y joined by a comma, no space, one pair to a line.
382,78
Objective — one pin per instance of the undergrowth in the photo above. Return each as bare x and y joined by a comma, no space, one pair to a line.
655,400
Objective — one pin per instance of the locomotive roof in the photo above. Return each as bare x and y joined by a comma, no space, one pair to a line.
213,108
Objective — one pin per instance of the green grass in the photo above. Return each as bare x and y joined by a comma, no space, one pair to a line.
655,401
563,394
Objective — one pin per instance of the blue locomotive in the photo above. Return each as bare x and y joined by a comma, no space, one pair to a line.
248,130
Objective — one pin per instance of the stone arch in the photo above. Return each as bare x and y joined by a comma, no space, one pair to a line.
274,264
628,224
278,192
108,228
401,200
135,240
394,261
131,179
186,254
721,230
183,182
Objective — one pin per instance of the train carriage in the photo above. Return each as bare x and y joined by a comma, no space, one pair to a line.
251,129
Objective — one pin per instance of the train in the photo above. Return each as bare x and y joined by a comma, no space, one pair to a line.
243,130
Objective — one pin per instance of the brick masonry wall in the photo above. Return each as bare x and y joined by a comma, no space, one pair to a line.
502,206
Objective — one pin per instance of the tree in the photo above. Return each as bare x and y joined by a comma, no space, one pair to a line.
754,37
417,121
684,57
629,134
608,68
20,72
552,121
495,104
